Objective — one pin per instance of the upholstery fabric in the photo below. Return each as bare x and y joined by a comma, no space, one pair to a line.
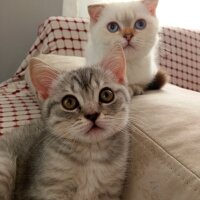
165,155
180,56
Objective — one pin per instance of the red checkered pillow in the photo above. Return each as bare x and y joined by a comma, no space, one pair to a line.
58,35
180,56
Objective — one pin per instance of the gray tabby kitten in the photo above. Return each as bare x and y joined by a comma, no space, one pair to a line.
78,149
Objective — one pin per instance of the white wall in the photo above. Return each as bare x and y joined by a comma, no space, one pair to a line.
70,8
75,8
19,20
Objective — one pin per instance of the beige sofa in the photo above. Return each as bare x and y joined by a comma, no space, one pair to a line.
165,150
165,154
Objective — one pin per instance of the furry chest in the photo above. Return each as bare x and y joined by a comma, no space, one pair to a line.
92,180
140,73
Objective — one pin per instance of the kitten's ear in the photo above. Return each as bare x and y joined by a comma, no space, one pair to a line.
42,77
151,5
95,12
115,62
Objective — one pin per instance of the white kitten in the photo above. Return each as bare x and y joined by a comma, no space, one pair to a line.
134,25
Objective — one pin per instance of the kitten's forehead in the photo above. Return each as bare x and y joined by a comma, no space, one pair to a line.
125,18
84,80
125,12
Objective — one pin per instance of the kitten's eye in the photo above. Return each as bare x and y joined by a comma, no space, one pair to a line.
140,24
70,102
113,27
106,95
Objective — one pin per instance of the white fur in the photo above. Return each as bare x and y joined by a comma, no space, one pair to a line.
141,61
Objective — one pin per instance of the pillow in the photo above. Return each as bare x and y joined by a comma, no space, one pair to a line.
58,62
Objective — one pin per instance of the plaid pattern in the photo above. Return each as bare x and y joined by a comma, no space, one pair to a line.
179,55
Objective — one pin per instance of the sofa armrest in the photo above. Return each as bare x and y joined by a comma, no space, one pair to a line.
165,154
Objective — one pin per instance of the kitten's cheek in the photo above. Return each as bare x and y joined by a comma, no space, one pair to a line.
105,125
87,127
102,122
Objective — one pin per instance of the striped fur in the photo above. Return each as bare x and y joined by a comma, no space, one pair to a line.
54,158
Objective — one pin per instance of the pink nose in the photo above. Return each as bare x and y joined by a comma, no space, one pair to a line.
128,37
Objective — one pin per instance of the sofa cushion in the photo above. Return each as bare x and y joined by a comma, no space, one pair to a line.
165,154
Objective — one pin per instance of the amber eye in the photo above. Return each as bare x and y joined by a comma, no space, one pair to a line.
106,95
70,102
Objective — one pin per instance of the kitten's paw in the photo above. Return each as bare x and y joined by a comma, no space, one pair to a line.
135,90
